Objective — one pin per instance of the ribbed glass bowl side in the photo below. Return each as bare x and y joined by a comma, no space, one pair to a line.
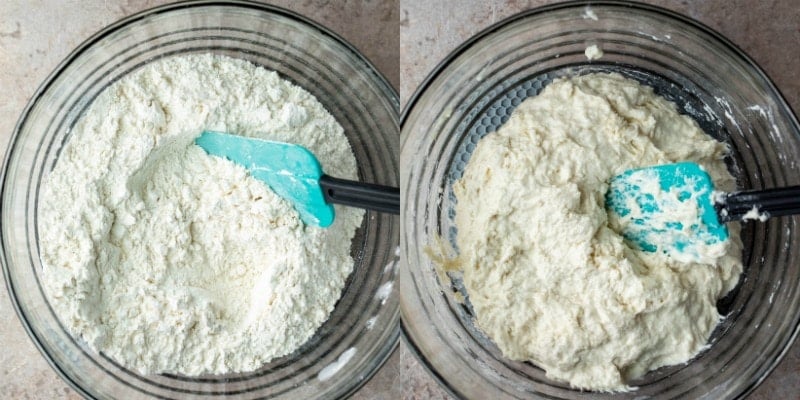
475,90
299,50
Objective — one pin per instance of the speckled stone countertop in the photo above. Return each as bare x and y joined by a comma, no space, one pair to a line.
768,31
36,35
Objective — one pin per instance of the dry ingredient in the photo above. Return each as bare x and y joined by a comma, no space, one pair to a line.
167,259
549,279
593,52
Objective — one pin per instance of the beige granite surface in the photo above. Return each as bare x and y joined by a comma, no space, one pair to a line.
36,35
769,31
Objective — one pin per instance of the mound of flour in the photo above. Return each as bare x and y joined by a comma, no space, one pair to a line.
169,260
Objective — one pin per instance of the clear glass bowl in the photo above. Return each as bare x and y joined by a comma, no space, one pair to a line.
473,91
301,51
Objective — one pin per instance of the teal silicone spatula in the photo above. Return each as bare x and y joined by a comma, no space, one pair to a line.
674,207
295,174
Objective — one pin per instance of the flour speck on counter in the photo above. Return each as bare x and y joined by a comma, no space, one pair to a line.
167,259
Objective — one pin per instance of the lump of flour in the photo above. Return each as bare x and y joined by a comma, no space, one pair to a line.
550,279
167,259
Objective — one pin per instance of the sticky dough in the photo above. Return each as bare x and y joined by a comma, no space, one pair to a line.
550,281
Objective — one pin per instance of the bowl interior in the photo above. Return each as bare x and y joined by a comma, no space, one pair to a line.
300,51
474,92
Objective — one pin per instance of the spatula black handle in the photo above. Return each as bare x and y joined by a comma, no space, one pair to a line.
362,195
770,202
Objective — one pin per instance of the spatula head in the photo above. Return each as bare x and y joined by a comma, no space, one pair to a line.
290,170
668,208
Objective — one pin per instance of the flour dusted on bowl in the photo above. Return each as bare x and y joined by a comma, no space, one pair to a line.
167,259
549,278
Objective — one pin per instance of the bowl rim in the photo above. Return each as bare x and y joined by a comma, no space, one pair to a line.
88,43
438,70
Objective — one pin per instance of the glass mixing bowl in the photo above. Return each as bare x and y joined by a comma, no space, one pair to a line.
365,318
474,90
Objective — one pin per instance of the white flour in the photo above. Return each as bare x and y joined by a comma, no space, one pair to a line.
170,260
593,52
